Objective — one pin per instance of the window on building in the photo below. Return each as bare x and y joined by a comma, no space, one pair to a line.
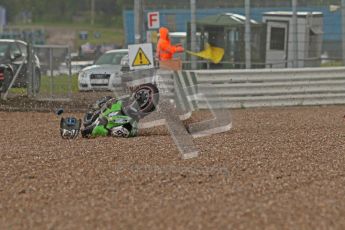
277,38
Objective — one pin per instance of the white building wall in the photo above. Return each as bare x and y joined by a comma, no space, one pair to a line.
305,22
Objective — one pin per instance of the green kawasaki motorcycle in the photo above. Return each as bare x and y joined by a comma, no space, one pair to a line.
116,117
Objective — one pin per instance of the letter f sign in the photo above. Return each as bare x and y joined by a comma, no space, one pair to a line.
153,20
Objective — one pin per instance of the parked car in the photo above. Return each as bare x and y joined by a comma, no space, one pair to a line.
104,74
76,67
12,54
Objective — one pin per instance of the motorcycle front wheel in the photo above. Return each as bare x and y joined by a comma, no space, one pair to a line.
147,97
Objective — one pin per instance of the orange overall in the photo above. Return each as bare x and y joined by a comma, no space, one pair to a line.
165,51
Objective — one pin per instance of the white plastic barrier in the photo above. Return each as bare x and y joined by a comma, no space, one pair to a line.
266,87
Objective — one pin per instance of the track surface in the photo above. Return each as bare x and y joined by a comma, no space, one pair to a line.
276,169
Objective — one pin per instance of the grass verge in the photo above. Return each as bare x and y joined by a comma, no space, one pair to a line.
56,85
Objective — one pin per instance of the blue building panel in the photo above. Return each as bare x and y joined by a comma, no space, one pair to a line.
176,20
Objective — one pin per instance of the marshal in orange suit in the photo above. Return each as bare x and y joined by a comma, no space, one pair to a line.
165,50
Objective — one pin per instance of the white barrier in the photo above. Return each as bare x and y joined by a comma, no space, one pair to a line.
268,87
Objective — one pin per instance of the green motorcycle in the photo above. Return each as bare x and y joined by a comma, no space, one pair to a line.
108,116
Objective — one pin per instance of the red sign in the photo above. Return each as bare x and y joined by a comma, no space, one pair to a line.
153,20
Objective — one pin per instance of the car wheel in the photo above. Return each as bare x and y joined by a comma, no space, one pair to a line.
7,81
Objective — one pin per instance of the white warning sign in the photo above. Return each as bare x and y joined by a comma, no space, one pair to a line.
140,56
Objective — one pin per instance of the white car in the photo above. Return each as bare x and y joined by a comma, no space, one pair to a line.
104,74
76,67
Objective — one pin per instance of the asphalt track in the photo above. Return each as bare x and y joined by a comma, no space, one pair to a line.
278,168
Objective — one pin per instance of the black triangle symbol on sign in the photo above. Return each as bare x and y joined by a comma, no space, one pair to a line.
141,59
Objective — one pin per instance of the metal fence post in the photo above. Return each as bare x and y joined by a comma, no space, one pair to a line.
34,79
138,20
193,32
294,34
69,64
343,28
29,81
51,71
247,35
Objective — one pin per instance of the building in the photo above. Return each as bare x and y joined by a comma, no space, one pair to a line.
280,36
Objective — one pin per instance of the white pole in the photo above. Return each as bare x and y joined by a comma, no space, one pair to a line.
247,35
294,34
193,32
343,27
137,21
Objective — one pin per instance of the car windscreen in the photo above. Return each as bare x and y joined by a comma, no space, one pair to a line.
3,49
110,58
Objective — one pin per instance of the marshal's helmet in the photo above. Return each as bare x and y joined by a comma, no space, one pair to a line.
69,127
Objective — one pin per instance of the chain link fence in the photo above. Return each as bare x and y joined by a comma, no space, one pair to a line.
295,33
55,72
277,40
42,72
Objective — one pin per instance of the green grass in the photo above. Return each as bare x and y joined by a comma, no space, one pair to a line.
58,85
332,64
109,34
19,91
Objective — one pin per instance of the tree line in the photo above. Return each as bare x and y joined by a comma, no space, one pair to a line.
108,11
63,10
